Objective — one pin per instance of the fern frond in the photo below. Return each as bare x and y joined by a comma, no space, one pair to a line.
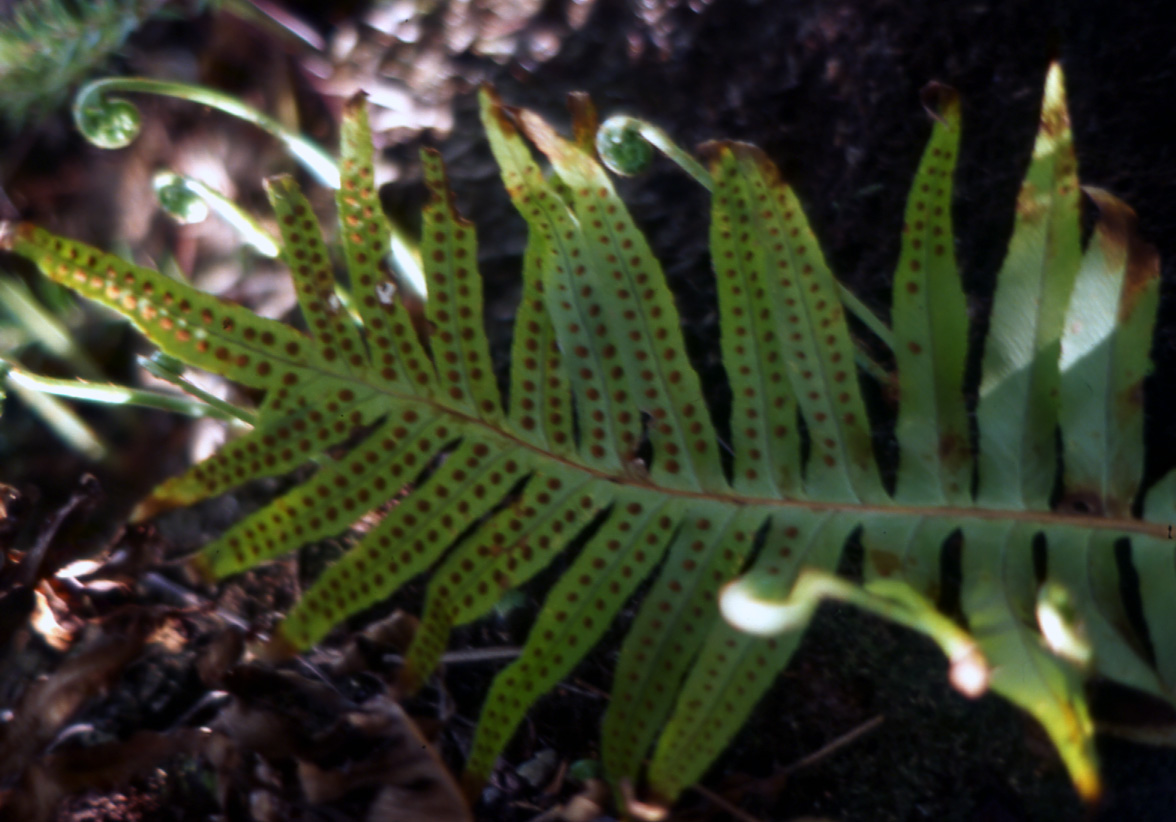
930,316
608,442
1017,413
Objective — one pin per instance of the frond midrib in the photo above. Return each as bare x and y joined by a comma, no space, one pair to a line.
1044,519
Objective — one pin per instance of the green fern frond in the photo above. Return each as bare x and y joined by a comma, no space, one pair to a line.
607,435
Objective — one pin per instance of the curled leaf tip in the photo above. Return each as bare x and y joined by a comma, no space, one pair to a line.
176,198
622,147
747,612
1060,625
110,122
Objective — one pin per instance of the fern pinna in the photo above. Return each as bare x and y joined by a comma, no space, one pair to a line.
607,426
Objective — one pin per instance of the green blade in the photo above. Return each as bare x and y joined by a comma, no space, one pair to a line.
337,495
578,610
801,295
1105,347
735,669
473,479
336,336
930,318
765,430
611,431
1083,563
622,272
197,328
1154,565
1017,411
907,548
516,544
397,355
461,350
288,434
540,397
675,617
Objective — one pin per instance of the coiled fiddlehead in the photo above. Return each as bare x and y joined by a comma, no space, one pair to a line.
188,200
113,122
626,144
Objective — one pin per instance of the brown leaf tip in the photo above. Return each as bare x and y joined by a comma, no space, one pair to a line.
941,101
278,649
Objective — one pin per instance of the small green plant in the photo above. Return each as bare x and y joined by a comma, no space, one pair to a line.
607,426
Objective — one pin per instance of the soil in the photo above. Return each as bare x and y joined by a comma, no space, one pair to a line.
830,90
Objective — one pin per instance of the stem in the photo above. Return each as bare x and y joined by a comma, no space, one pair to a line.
169,369
747,610
42,326
109,394
112,122
59,417
168,184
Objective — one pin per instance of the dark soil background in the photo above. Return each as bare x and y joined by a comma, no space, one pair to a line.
831,91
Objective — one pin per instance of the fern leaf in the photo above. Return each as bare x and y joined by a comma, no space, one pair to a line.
189,325
1152,559
1017,410
578,610
305,253
541,402
395,350
800,293
561,251
337,494
765,430
649,363
454,309
1084,564
1104,361
286,436
674,618
515,545
409,540
414,428
930,317
906,548
734,669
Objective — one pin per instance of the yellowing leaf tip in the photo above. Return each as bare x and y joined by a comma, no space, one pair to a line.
1055,118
